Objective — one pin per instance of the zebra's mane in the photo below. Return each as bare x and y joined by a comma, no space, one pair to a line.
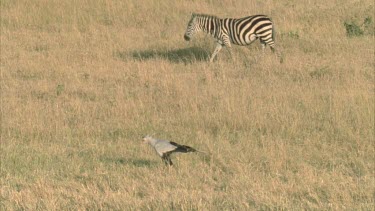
199,15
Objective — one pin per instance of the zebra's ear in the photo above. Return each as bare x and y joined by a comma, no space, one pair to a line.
193,15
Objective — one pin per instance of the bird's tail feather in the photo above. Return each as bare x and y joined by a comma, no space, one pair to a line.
201,152
185,149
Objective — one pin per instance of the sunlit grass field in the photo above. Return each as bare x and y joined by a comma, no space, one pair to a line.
82,81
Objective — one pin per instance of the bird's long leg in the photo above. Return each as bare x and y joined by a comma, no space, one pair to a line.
167,159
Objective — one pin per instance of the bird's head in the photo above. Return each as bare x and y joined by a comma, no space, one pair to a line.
147,139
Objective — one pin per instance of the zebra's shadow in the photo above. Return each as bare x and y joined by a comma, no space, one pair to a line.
184,55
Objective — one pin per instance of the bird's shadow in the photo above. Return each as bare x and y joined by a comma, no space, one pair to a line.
184,55
132,162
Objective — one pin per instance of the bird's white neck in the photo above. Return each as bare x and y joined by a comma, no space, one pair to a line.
152,141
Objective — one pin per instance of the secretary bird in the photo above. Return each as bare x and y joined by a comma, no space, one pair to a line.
166,148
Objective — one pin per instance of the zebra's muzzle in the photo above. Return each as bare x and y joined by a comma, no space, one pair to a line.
187,38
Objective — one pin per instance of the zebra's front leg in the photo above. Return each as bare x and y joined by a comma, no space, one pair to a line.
217,49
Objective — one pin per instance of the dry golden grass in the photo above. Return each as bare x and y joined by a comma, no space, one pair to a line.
83,81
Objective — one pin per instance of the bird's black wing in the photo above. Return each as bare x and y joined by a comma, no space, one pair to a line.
174,144
182,148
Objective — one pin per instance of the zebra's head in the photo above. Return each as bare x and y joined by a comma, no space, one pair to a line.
192,28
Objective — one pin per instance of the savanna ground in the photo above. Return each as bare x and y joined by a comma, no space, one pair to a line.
83,81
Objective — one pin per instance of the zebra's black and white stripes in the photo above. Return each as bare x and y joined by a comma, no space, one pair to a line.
238,31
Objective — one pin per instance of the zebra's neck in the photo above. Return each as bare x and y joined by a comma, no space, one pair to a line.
209,24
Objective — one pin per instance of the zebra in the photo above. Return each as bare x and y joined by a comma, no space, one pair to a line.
238,31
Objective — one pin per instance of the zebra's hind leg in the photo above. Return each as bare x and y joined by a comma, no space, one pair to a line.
263,44
278,54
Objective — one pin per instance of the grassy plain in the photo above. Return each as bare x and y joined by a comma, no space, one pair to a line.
83,80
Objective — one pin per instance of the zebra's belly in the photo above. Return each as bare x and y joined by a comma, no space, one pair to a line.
244,40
